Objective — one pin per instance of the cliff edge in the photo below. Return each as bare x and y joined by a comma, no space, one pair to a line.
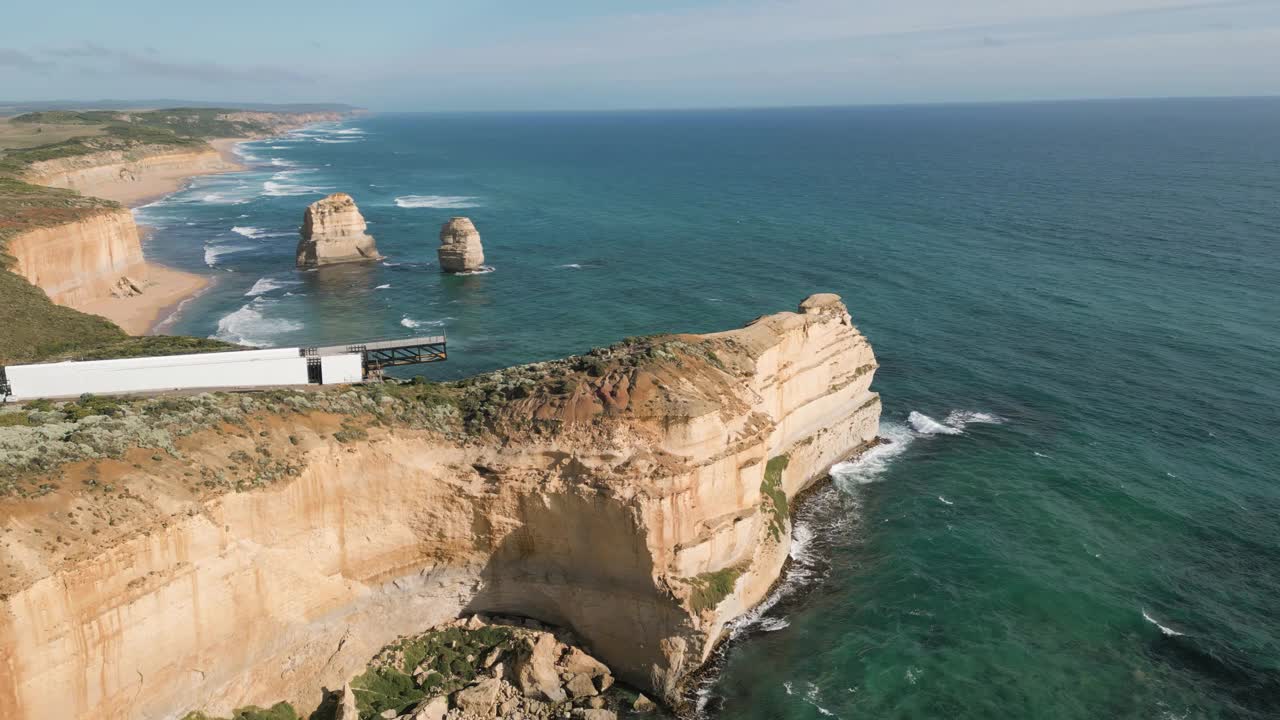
219,551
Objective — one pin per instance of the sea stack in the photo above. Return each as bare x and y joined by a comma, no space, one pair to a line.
333,231
460,250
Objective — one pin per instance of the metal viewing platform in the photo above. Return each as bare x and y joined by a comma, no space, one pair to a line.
379,354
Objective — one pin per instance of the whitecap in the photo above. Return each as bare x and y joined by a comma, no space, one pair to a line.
484,270
412,324
961,418
440,202
926,425
248,231
349,131
213,252
279,162
574,266
265,285
945,501
249,326
383,287
1168,631
278,189
334,142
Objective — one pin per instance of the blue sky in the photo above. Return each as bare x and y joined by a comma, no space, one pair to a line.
575,54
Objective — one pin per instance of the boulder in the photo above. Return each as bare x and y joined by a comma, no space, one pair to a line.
433,709
643,704
580,686
460,249
333,231
594,714
480,698
580,663
347,705
535,671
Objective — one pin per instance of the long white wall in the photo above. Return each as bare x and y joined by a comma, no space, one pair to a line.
249,368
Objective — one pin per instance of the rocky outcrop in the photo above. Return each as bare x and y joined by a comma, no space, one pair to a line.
638,496
333,231
460,250
81,261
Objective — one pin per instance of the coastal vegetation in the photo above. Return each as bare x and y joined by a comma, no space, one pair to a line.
775,498
709,588
35,328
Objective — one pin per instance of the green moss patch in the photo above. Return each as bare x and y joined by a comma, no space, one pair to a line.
453,658
710,588
279,711
774,503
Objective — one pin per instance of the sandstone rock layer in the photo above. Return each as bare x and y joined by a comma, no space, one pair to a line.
460,249
81,261
333,231
651,470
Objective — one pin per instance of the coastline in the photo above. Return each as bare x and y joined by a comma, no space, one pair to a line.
165,289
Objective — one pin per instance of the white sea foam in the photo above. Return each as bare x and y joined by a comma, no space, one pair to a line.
349,131
265,285
280,162
412,324
248,231
926,425
870,465
440,202
249,325
213,252
1168,631
279,189
334,142
484,270
383,287
774,624
573,266
945,501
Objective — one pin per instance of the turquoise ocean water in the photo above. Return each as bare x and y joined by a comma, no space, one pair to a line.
1076,307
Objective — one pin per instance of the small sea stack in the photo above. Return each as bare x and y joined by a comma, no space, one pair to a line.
333,231
460,250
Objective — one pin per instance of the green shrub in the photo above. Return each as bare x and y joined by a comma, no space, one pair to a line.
775,498
712,587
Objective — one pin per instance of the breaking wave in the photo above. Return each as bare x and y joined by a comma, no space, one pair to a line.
440,202
248,325
1168,631
213,252
412,324
870,465
266,285
280,189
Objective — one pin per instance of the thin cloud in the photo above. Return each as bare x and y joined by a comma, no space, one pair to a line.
21,61
148,65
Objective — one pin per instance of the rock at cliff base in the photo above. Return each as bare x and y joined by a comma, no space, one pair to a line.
333,231
643,704
578,662
434,709
536,673
460,250
126,287
347,705
480,698
580,686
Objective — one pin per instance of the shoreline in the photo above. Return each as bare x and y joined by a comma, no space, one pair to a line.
166,289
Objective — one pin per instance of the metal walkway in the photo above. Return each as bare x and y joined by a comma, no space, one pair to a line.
379,354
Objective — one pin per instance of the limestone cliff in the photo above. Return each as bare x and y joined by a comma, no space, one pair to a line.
116,174
81,261
333,231
637,495
460,250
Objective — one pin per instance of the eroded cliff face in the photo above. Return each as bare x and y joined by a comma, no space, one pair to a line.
115,174
636,495
81,261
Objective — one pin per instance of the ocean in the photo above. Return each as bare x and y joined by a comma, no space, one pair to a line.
1076,308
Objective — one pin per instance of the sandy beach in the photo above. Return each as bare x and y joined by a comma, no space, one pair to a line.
162,291
164,288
